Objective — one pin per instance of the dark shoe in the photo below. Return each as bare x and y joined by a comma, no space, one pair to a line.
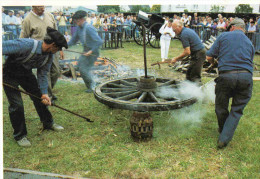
89,91
24,142
54,97
52,102
55,127
221,145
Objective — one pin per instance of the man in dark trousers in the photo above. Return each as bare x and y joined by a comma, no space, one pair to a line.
235,54
22,56
91,43
192,46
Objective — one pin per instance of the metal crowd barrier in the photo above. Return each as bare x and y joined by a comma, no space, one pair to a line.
114,39
255,39
10,32
205,32
120,28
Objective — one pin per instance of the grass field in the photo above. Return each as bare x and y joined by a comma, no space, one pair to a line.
183,144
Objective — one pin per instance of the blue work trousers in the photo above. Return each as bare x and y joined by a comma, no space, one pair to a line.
16,75
85,65
237,86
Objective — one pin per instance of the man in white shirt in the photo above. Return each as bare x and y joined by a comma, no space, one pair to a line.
221,24
252,27
11,22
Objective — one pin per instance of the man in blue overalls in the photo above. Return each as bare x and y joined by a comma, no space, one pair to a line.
235,54
91,42
22,56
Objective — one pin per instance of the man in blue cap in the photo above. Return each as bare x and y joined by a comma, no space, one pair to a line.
91,42
22,56
235,54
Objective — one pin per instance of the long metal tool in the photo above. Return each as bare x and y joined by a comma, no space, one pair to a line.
10,86
77,52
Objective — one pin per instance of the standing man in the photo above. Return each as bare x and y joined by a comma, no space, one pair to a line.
3,16
22,56
11,22
3,24
128,23
235,54
34,26
192,46
91,42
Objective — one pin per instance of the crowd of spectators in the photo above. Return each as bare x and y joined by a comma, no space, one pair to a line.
118,22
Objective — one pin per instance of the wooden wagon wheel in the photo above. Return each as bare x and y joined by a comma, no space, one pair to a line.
138,35
140,94
154,35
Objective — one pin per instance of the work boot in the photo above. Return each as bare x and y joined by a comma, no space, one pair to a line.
54,97
221,145
24,142
55,127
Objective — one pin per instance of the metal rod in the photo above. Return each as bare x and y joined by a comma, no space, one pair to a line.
144,37
77,52
32,95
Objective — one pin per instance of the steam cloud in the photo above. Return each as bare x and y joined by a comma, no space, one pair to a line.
189,117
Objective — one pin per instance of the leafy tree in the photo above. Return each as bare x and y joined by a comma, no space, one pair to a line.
243,8
217,8
156,8
186,11
136,8
108,9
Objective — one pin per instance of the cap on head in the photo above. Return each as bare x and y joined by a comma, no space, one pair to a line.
79,15
11,11
237,22
56,37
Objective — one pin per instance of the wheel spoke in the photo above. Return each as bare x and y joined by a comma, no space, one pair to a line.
167,83
167,98
114,85
127,83
142,97
153,97
119,94
130,96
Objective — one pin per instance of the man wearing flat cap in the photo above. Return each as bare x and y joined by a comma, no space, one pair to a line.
235,54
88,36
22,55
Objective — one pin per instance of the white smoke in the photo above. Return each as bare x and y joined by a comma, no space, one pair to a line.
189,117
187,89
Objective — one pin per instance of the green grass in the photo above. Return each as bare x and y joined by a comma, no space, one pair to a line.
104,149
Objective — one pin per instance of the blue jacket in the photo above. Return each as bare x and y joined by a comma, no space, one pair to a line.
189,38
19,49
234,51
88,37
